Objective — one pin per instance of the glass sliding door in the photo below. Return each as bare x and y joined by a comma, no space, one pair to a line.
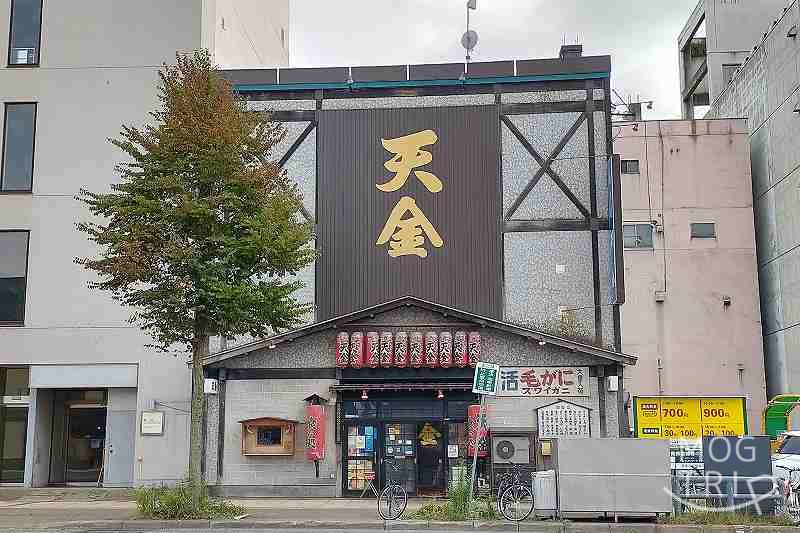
13,429
14,398
361,459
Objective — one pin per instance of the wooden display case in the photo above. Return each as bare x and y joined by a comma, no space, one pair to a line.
268,436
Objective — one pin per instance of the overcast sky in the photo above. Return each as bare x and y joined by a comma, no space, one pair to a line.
641,36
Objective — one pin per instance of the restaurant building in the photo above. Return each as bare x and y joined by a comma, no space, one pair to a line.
462,215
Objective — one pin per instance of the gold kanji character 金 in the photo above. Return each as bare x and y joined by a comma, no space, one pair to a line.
408,156
406,234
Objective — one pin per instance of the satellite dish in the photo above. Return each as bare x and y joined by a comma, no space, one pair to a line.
505,449
469,39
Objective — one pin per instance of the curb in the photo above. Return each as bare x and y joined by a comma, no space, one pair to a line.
402,525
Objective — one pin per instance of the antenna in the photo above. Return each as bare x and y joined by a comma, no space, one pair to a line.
470,37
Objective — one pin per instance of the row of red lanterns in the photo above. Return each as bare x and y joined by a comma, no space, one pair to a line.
401,350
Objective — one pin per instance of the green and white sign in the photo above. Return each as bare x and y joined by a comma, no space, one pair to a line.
486,378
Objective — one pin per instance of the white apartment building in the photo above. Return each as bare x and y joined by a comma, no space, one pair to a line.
75,376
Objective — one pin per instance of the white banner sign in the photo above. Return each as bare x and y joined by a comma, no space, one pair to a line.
544,381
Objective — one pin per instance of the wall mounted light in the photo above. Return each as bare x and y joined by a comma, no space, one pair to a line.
439,394
542,343
364,395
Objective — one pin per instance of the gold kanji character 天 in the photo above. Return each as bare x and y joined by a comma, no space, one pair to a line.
408,156
406,234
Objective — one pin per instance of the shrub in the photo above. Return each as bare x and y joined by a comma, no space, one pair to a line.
175,503
457,507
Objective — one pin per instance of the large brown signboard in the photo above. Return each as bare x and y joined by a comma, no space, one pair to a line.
408,203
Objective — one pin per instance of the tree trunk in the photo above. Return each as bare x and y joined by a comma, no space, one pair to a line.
199,351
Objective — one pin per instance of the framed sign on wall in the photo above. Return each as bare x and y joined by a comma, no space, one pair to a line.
152,423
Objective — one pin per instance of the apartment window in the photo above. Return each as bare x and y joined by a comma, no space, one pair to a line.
637,236
703,230
26,33
19,134
630,166
13,274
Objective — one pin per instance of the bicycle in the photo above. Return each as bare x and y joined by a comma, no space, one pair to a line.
790,506
392,500
514,496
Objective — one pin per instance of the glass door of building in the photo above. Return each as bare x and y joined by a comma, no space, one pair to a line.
86,434
431,458
13,430
361,457
399,446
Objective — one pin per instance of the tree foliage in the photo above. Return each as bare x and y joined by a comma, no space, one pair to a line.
202,229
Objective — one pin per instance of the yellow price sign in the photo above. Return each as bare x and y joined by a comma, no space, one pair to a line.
673,417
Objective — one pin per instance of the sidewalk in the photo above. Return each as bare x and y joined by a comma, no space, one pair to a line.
81,509
61,508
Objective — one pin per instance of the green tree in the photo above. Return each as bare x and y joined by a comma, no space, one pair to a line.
203,227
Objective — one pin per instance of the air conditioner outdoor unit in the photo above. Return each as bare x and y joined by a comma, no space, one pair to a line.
510,449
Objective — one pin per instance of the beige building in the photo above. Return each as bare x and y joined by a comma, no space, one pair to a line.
691,313
75,376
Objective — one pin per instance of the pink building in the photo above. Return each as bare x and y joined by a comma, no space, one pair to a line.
691,313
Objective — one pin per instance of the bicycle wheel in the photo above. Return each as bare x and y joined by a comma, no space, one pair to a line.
392,502
516,503
792,506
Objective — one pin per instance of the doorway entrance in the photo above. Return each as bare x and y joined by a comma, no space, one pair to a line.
78,446
86,435
425,438
431,459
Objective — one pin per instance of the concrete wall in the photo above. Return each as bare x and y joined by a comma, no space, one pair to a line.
251,33
97,72
766,91
732,29
245,399
692,171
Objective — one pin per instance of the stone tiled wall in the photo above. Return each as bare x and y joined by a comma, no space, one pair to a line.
212,438
289,476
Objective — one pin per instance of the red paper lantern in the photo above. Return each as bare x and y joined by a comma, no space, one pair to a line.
357,349
445,349
460,349
342,350
416,347
387,349
315,432
477,430
474,348
401,359
372,346
431,349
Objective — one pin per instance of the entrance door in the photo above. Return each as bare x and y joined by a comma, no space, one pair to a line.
86,434
121,441
13,424
430,466
399,448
